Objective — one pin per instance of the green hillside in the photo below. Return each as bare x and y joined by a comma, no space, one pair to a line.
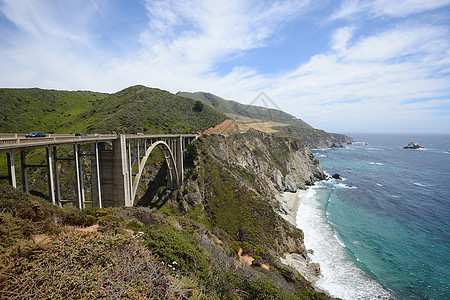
143,109
235,109
134,109
270,120
25,110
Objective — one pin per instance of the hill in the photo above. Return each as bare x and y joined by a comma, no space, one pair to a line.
269,120
25,110
222,235
134,109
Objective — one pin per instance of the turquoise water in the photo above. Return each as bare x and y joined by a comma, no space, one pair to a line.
384,231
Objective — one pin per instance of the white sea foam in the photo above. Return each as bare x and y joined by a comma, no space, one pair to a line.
340,276
344,186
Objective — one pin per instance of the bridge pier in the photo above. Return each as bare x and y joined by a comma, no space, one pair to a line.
96,187
11,169
24,173
51,182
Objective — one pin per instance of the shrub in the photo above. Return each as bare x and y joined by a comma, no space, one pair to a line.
171,245
88,266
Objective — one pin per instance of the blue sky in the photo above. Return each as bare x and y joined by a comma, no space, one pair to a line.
342,66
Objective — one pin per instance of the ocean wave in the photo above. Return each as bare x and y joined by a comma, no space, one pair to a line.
345,186
340,275
339,240
395,196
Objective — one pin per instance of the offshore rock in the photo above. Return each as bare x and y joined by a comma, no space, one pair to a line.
413,145
336,176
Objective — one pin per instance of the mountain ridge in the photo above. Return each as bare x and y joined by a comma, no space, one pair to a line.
270,120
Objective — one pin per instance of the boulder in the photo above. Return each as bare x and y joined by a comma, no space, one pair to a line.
413,145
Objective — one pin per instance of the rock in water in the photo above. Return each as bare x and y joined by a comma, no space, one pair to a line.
336,176
413,145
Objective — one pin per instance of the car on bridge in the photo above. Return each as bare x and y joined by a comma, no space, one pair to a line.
80,134
35,134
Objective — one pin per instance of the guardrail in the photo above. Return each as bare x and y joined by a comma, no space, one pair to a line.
11,143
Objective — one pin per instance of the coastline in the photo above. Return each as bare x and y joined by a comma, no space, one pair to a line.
310,271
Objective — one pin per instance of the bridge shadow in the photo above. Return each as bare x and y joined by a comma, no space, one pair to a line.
156,193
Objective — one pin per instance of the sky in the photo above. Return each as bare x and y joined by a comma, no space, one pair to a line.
340,65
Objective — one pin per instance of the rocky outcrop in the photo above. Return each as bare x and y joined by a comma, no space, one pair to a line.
285,164
413,145
336,176
314,138
342,138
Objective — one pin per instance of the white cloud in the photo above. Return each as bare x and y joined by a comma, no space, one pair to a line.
368,81
351,9
341,37
352,83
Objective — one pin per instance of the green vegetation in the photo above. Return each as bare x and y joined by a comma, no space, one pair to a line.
134,109
185,244
235,109
132,254
283,124
25,110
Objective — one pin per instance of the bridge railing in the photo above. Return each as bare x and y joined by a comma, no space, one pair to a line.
51,139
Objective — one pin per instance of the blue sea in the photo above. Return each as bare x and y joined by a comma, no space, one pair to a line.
383,232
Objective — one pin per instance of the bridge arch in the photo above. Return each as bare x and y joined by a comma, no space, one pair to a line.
172,180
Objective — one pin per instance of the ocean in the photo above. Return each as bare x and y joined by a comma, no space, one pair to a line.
383,232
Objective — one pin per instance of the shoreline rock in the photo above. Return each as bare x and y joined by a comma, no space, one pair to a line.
289,206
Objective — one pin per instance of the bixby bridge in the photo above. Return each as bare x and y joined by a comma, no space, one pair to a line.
116,163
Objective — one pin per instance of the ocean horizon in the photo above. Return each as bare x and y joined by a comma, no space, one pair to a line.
382,232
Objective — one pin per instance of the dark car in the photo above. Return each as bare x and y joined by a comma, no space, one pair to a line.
35,134
80,134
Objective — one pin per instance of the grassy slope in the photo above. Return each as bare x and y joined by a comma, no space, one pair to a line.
269,120
25,110
134,109
142,109
249,111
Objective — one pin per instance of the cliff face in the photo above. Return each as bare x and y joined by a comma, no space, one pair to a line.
342,138
284,164
314,138
239,179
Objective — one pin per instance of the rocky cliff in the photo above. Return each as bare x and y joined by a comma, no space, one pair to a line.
314,138
282,164
239,179
342,138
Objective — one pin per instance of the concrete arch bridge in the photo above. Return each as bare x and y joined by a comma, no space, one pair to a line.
117,163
